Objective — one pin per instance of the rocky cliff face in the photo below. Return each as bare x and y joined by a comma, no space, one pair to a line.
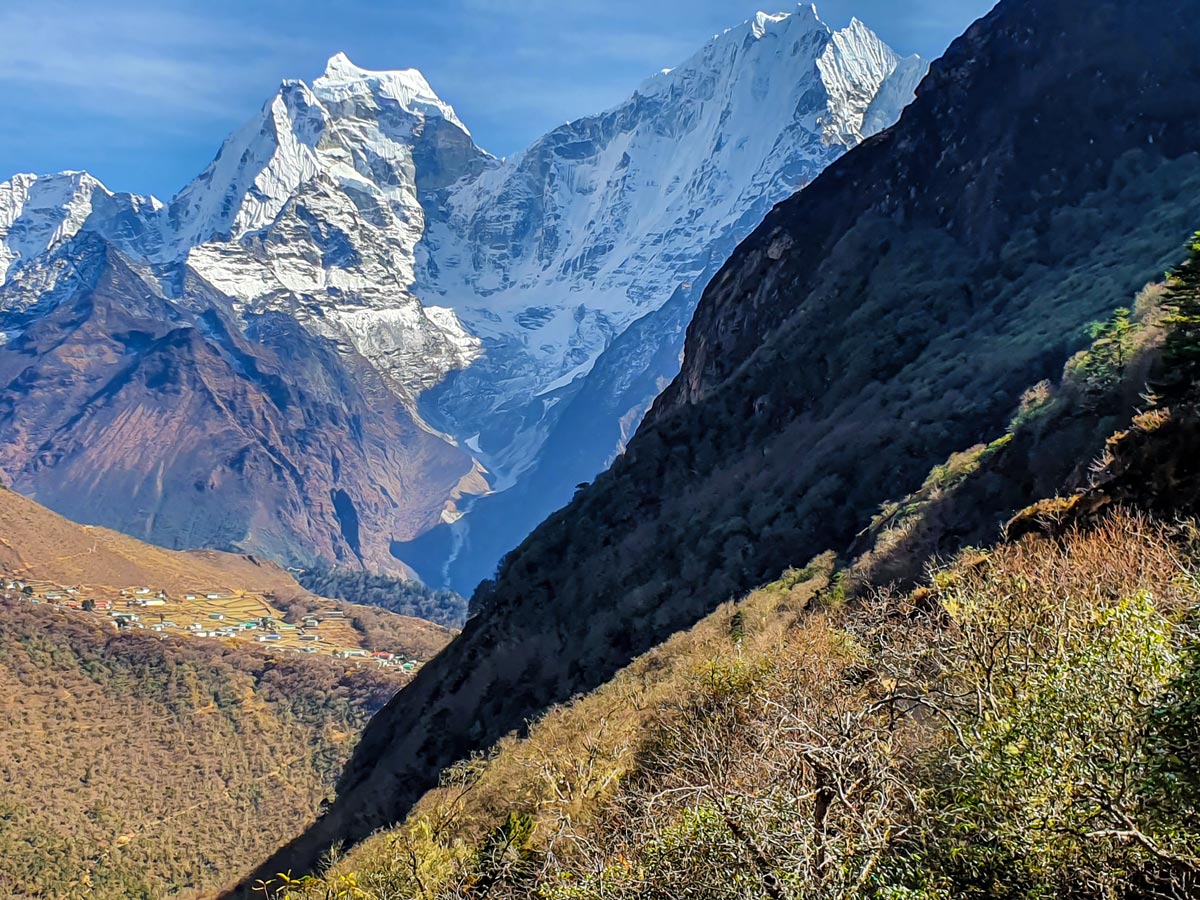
462,326
889,314
121,403
585,255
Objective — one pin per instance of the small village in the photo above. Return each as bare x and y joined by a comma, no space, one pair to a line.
212,614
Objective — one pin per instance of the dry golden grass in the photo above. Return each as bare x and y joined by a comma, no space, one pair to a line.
37,543
779,749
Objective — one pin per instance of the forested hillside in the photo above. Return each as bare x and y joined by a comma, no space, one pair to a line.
397,595
1021,724
138,766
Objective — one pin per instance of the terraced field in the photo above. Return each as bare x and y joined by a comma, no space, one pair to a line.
45,558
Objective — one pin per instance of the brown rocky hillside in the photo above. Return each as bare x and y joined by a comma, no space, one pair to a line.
39,545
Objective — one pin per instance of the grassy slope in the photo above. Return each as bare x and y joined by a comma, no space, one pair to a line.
37,544
782,748
700,768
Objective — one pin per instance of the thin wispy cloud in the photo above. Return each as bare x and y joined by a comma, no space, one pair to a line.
132,61
141,92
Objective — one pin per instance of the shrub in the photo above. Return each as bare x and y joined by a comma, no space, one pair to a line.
1020,728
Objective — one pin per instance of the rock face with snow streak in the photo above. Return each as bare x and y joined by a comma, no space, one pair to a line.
552,256
39,214
475,327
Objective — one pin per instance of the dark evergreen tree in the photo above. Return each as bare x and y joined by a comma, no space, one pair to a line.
1182,351
408,598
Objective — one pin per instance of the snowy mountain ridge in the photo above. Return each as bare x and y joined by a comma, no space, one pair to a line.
642,194
484,292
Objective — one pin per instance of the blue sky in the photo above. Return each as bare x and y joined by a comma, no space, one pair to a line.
141,92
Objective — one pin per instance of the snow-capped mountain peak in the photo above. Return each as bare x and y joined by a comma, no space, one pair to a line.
363,193
353,127
484,294
601,220
762,20
314,209
724,54
854,66
408,87
40,212
257,170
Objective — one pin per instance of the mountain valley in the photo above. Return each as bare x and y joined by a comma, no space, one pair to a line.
797,415
379,332
783,484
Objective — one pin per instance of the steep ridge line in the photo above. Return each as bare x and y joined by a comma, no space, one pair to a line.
365,318
880,320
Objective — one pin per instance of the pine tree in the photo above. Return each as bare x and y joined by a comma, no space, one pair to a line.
1182,350
1110,349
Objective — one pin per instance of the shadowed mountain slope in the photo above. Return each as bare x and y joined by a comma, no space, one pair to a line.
883,318
124,407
